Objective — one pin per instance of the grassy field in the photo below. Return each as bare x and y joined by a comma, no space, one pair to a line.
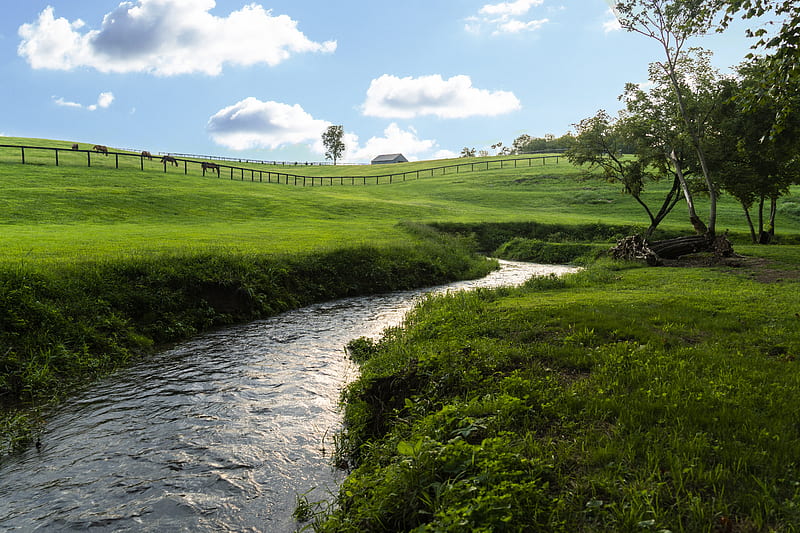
75,213
620,399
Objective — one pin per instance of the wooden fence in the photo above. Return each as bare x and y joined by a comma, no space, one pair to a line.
268,176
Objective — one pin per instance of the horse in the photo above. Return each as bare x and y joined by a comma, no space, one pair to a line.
213,167
169,159
75,146
100,148
148,155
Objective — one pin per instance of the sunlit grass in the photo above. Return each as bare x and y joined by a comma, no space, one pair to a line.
617,399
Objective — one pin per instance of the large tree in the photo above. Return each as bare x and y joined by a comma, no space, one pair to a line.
601,142
672,23
756,162
332,140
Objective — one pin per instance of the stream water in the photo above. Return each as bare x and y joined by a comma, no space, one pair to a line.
221,433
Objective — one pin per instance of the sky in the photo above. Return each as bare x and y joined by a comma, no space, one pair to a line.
262,79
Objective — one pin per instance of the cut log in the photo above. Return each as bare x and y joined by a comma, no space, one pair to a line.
674,248
636,248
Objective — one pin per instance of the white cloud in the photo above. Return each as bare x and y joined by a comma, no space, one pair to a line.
505,17
445,154
395,140
517,26
104,100
612,23
392,97
520,7
166,38
63,103
252,123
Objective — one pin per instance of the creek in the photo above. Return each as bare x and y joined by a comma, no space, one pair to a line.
220,433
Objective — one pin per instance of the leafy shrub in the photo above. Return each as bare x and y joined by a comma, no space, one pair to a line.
521,249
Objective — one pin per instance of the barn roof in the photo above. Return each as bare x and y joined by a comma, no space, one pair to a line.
388,157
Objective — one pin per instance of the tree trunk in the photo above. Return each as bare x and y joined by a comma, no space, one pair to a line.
763,235
701,155
753,237
697,224
670,201
773,211
674,248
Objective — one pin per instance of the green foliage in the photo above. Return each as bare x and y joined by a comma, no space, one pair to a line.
535,251
490,236
609,408
62,326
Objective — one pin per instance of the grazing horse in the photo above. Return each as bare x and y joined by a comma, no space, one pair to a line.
148,155
169,159
76,147
100,148
213,167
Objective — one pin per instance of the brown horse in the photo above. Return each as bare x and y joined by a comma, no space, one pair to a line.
76,147
148,155
213,167
100,148
169,159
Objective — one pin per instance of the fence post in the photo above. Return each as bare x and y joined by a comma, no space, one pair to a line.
89,159
56,156
116,161
142,161
23,154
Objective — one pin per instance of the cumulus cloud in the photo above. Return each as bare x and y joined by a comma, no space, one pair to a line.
252,123
520,7
394,140
103,101
392,97
505,17
166,38
445,154
612,22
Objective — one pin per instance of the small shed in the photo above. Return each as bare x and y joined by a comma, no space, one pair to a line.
389,158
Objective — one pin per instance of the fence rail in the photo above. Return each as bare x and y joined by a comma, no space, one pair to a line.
269,176
258,161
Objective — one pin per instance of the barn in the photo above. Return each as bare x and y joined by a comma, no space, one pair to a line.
389,158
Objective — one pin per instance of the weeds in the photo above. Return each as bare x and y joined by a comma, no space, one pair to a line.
649,400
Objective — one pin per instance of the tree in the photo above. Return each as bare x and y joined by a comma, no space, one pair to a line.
671,23
332,140
600,141
527,144
756,162
467,152
661,117
781,64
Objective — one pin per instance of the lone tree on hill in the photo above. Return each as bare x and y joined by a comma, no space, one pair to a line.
332,140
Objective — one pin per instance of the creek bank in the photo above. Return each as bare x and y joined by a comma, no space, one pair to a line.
621,398
64,326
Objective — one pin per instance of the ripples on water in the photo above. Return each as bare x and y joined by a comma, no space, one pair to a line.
218,434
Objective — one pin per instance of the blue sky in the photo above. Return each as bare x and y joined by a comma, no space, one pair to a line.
264,79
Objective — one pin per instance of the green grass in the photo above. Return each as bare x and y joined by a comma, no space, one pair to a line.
618,399
50,213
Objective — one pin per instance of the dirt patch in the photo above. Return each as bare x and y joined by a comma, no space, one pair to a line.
757,268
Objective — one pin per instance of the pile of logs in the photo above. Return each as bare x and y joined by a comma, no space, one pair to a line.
637,248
